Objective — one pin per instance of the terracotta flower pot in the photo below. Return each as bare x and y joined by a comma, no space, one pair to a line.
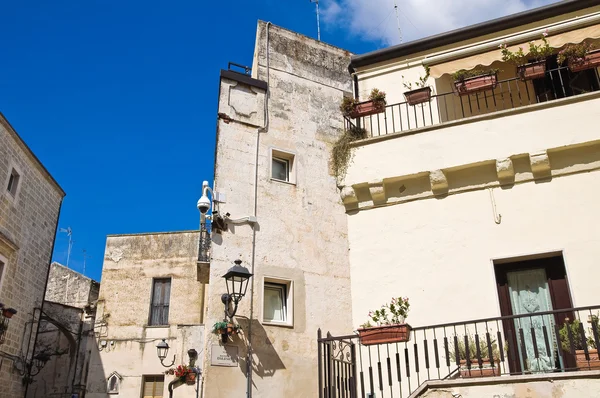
485,370
418,96
367,108
583,364
190,378
591,60
531,71
472,85
385,334
8,312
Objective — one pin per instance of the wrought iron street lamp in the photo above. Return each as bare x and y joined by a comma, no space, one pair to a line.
236,280
162,349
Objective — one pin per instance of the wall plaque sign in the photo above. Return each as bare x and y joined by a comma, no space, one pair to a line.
224,355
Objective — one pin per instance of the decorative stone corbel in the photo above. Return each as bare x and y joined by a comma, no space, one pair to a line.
377,190
348,195
505,170
540,164
439,182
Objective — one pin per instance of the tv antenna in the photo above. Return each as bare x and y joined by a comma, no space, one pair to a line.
85,257
69,233
318,21
398,20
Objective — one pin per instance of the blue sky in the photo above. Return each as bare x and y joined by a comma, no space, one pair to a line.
118,97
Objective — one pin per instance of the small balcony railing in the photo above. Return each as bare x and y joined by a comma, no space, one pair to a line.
535,343
508,94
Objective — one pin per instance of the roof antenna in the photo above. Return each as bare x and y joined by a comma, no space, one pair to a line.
70,234
318,21
398,20
85,257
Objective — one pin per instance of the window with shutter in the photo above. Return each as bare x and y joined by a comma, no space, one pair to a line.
159,309
153,386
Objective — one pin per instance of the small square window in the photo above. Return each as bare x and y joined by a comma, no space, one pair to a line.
13,182
280,169
153,386
282,166
277,302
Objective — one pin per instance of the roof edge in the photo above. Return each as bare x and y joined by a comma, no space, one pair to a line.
10,128
471,31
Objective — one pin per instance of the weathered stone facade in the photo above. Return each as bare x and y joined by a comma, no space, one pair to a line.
28,221
125,340
66,334
301,235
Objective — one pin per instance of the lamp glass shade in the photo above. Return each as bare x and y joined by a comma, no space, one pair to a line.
236,279
162,349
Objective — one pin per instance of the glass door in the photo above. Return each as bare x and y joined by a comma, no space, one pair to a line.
529,294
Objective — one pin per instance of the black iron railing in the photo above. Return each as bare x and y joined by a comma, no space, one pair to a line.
508,94
534,343
204,245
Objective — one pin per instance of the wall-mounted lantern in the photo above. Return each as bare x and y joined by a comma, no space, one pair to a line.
236,280
162,349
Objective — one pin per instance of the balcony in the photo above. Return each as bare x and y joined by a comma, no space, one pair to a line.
484,351
509,93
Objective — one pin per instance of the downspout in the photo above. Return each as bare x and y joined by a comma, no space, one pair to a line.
77,353
43,297
253,258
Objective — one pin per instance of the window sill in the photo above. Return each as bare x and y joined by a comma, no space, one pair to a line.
157,326
280,324
283,181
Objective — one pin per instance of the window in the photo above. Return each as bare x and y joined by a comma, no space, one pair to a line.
277,302
3,262
113,383
153,386
280,169
159,309
13,182
282,166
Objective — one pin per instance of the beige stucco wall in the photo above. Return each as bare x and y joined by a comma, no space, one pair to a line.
130,264
444,242
27,230
301,230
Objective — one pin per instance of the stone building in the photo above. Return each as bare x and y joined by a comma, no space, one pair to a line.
274,136
66,334
30,201
149,293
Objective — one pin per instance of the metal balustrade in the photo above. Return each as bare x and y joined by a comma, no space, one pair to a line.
449,106
534,343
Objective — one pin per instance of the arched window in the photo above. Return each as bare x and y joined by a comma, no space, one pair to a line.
113,383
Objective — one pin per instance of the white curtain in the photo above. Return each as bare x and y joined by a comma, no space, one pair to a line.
528,295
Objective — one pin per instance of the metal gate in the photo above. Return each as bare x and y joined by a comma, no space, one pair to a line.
337,366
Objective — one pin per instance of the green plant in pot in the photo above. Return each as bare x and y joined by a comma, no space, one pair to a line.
579,56
570,334
486,369
226,329
389,322
420,92
531,64
474,80
353,108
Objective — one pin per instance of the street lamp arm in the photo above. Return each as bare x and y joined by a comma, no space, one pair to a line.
172,363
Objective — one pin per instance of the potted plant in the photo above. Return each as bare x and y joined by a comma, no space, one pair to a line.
390,326
352,108
421,93
530,65
225,329
477,369
186,374
472,81
8,312
575,327
579,56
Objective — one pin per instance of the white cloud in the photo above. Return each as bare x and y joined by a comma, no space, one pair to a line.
375,20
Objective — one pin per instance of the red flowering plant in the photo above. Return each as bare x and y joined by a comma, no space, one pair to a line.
181,371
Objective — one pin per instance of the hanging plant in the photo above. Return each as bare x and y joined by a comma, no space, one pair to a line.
341,153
